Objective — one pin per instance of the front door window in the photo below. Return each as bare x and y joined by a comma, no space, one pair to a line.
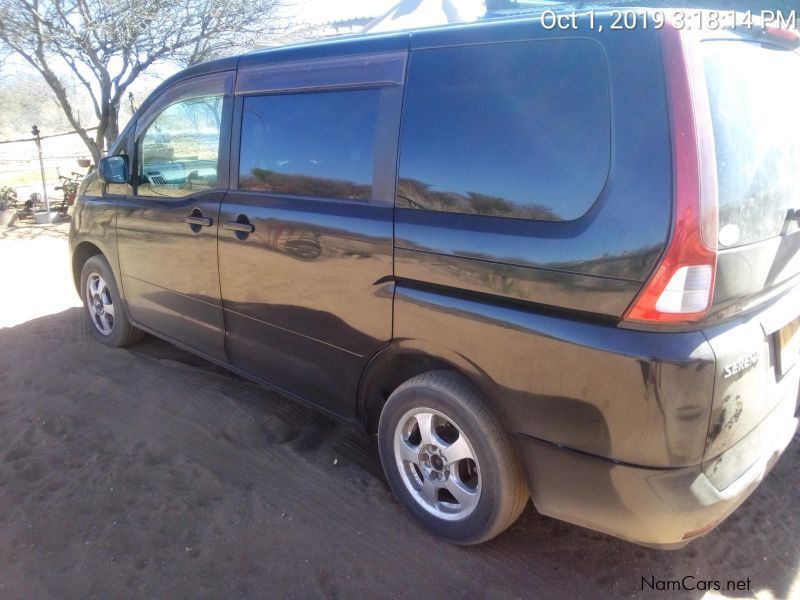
178,155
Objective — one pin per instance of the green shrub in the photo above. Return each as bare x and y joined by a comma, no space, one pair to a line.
8,197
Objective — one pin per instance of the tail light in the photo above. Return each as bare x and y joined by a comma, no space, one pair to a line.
682,285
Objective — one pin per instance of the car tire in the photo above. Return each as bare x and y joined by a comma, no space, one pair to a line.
108,318
448,459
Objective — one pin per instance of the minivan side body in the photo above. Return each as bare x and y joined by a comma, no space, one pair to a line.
335,218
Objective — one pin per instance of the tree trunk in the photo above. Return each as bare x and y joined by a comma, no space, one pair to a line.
112,127
61,96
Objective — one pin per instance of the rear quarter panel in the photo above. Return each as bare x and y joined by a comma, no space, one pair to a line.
633,396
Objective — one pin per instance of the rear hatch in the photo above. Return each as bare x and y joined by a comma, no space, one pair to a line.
754,96
754,99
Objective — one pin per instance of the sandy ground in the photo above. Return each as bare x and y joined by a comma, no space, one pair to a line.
147,472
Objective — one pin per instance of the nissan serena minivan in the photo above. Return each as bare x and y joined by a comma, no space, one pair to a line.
557,264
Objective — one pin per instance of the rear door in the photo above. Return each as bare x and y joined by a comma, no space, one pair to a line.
167,229
754,94
305,244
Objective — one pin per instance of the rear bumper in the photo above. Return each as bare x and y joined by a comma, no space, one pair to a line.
664,508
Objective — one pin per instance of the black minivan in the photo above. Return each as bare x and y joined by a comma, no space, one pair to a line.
558,264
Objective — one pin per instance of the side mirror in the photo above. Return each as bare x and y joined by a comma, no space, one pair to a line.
113,169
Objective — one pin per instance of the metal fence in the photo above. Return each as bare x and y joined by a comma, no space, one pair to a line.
19,162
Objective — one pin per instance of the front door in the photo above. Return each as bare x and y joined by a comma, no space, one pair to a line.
167,230
306,234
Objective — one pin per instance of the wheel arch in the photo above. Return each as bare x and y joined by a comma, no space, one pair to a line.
83,252
402,360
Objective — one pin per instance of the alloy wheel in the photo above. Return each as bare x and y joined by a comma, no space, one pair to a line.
100,303
437,463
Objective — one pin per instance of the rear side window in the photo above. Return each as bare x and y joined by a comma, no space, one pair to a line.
319,144
754,95
519,130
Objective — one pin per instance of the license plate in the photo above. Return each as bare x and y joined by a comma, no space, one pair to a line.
789,345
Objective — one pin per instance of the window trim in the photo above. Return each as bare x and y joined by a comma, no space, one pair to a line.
387,130
336,72
213,84
383,70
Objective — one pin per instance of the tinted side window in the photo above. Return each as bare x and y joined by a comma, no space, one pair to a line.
179,151
510,130
319,144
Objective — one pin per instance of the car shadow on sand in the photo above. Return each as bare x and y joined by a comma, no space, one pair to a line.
758,542
179,430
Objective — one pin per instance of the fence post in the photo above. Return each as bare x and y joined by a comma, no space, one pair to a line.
36,133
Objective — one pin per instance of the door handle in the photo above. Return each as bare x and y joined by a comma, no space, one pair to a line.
198,220
236,226
241,225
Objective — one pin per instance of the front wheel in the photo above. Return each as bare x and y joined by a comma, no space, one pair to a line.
448,459
107,317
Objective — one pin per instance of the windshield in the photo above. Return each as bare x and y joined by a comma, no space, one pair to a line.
754,92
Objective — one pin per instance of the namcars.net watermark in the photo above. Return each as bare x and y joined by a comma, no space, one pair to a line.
691,583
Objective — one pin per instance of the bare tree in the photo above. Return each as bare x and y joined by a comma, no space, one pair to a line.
107,44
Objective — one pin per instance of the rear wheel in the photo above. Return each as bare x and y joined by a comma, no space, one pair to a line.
107,317
448,459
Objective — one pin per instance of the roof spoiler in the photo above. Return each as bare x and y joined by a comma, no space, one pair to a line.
788,38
